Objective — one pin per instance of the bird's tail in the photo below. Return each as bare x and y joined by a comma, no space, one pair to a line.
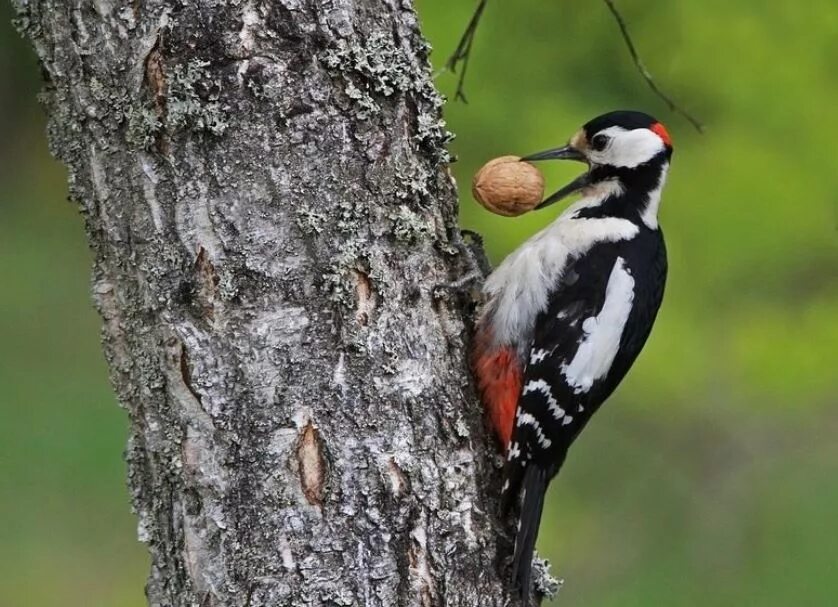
534,485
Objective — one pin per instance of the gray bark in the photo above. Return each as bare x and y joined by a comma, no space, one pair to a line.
265,191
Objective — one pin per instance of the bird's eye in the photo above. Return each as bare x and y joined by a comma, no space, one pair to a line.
599,142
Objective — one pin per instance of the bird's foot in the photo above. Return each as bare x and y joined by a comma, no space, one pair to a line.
469,245
461,286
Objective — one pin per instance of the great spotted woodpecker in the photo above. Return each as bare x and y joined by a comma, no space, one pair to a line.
567,313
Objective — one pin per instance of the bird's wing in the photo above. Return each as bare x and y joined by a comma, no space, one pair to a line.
574,343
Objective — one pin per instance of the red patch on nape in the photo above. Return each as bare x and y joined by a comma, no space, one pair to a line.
660,130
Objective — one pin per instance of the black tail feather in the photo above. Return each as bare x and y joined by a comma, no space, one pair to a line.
514,473
534,486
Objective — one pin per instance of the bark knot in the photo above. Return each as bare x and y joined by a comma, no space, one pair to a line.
399,483
207,287
365,295
155,80
186,373
155,77
312,464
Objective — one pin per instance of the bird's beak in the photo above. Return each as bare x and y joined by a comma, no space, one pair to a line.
567,152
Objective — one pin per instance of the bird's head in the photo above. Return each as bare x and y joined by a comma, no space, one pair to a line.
623,147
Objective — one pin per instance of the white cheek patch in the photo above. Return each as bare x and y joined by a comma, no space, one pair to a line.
628,149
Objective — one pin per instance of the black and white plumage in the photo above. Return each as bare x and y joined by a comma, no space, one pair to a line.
577,302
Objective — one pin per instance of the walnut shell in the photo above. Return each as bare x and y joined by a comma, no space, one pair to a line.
507,186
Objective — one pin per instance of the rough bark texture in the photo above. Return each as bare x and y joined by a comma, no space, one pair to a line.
265,190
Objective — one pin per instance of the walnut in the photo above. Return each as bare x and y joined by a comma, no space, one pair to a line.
507,186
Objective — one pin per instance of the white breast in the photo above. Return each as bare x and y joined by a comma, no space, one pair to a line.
517,290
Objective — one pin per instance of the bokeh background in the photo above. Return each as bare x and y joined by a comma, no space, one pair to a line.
711,477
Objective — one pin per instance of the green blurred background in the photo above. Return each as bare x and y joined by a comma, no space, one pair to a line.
711,478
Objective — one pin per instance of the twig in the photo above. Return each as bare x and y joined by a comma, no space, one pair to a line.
647,76
462,54
463,51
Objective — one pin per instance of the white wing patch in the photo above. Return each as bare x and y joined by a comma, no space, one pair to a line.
596,353
539,385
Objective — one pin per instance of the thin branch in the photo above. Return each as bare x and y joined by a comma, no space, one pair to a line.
647,76
462,53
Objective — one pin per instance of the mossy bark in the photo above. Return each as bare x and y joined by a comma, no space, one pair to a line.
265,191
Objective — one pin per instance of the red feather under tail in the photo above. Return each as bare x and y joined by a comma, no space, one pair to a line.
499,377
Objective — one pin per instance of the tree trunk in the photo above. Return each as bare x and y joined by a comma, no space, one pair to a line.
265,191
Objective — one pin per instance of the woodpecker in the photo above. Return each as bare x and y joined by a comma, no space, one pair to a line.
567,313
